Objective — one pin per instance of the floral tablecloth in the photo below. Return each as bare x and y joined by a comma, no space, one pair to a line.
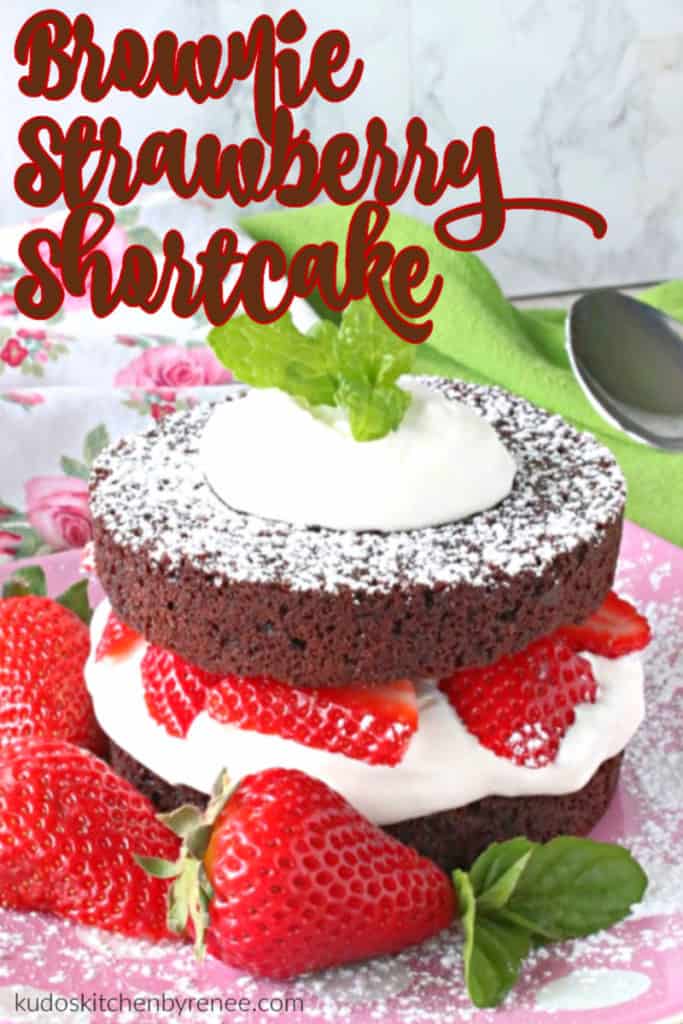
70,385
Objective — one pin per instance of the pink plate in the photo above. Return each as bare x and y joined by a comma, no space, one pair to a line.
629,975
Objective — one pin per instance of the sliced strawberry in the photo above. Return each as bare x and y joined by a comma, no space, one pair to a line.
521,706
117,639
175,691
372,724
614,630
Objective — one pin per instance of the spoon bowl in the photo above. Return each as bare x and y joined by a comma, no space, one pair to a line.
628,359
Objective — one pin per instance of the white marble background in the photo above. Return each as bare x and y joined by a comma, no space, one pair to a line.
585,96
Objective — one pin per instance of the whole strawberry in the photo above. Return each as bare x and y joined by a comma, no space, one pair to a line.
282,876
43,649
68,830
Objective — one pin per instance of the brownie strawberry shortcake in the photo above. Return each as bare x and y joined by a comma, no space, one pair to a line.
399,586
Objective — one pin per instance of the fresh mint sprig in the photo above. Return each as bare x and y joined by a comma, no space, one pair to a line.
518,894
354,366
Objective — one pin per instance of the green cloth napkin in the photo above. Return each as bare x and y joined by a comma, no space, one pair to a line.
478,335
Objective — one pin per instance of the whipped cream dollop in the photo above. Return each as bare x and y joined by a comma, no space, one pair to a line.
444,766
268,455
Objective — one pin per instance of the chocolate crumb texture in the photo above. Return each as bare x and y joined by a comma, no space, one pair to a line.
232,592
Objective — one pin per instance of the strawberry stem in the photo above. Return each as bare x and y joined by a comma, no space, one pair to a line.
26,582
30,581
190,895
75,598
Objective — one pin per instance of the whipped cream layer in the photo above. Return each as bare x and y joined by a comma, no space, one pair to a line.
268,455
444,767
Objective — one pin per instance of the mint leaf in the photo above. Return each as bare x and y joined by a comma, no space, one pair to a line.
26,581
372,412
495,861
496,873
367,351
277,355
354,366
520,894
493,951
498,951
370,359
573,887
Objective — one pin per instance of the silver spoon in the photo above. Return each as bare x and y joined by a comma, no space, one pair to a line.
628,358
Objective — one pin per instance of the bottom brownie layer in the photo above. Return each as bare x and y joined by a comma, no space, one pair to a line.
451,838
454,839
164,796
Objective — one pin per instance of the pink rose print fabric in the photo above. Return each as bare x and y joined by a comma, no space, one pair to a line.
54,513
8,306
57,509
173,367
13,352
9,542
25,398
72,384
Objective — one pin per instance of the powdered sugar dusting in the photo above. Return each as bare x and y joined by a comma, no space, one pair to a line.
149,493
635,966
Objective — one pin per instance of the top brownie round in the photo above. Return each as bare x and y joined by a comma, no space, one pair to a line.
232,592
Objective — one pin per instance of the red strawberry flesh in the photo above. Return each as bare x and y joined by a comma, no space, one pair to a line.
614,630
371,723
68,830
175,691
43,650
521,706
117,639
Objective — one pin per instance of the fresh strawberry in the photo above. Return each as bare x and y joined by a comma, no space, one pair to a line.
372,723
68,830
614,630
283,876
117,639
43,650
175,691
521,706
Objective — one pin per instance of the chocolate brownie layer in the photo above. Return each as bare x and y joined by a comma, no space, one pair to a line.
232,592
163,796
456,838
452,838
